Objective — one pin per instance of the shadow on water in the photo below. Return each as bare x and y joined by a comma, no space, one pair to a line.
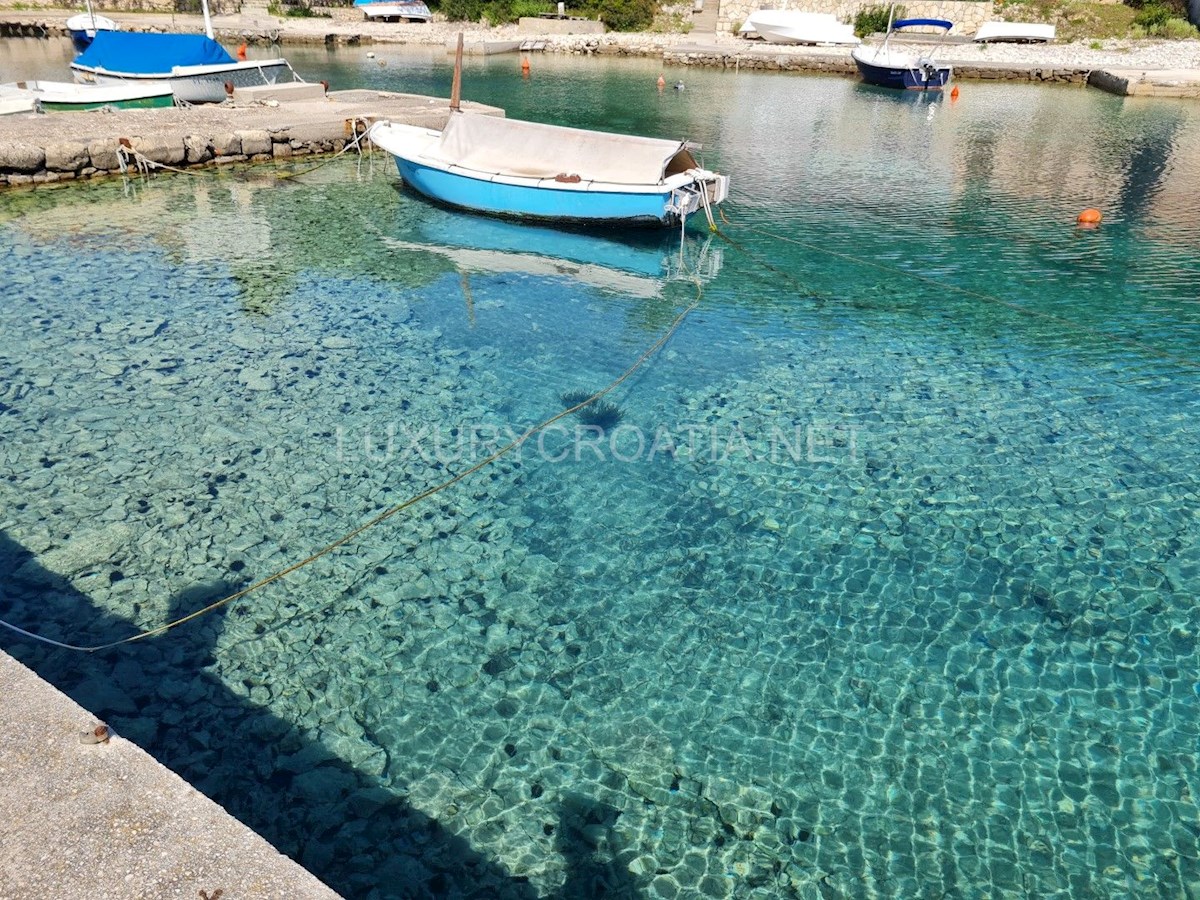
356,834
586,837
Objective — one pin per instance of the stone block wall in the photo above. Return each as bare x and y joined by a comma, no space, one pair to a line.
966,15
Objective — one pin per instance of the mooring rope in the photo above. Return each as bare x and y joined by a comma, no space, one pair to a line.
128,155
391,511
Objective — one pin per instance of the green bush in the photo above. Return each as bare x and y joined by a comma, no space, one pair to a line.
874,19
1152,16
1178,30
463,10
624,15
529,8
499,12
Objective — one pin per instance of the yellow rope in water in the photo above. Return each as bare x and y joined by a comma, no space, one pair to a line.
387,513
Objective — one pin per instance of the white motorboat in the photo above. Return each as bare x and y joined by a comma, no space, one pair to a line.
83,27
785,26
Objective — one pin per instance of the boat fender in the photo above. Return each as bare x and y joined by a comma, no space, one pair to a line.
525,66
229,90
662,82
954,93
241,51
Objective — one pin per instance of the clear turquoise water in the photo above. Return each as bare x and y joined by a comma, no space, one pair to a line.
907,612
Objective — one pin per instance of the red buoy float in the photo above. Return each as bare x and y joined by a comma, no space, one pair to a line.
1089,218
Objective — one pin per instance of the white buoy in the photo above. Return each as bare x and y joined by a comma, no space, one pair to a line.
370,54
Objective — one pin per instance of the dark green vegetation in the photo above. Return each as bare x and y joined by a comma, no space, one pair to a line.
618,15
874,20
1077,20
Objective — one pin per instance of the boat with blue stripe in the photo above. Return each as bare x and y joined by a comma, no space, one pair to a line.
527,170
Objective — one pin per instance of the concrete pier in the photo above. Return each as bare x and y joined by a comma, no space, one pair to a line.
107,820
261,124
1182,83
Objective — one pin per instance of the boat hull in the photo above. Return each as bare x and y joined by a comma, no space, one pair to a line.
905,78
82,29
536,203
196,84
14,101
66,96
792,27
386,10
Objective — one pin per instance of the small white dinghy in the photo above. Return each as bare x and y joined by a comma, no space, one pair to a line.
1014,32
14,99
786,26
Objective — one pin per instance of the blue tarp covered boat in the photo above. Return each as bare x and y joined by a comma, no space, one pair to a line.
887,67
196,66
509,167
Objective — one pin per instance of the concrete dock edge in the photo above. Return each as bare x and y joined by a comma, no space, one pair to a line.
106,819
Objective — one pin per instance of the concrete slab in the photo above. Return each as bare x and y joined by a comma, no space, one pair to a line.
1176,83
105,819
287,92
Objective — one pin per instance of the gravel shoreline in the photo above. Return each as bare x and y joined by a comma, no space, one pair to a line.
346,25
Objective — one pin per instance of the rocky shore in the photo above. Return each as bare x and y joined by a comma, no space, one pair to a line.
335,26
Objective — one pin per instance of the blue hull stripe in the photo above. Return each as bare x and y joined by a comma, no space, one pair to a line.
533,202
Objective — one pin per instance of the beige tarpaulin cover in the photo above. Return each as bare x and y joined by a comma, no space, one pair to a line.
533,150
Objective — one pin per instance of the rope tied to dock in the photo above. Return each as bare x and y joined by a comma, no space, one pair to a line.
392,511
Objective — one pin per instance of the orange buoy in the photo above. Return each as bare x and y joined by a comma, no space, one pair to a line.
662,82
525,66
954,92
241,53
1089,218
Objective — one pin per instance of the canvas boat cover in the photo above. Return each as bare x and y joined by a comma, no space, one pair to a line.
532,150
150,54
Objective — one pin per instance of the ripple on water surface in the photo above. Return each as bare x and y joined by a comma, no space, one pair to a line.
881,585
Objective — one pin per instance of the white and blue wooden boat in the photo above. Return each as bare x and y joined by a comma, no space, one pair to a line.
509,167
394,10
82,28
195,66
888,67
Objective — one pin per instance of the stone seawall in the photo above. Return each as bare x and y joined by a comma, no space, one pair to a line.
842,64
66,146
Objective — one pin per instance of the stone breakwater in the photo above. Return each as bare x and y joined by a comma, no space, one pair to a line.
42,149
842,64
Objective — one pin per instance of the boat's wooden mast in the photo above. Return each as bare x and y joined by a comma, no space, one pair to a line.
456,85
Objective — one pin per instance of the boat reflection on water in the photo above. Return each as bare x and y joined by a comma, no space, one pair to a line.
635,263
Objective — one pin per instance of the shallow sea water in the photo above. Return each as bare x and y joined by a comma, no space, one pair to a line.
883,587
